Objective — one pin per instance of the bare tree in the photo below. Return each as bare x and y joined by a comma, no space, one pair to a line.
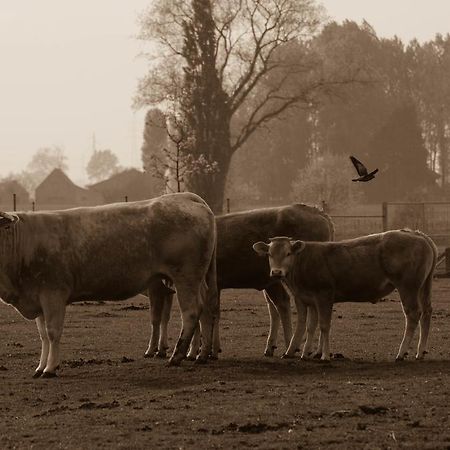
228,49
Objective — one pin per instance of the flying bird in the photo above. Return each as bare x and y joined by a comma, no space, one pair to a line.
364,175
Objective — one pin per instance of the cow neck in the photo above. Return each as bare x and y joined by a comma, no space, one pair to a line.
300,263
9,260
17,245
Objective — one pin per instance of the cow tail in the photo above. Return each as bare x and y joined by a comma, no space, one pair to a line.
426,288
211,281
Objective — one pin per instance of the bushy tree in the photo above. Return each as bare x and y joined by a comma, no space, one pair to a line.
42,163
398,150
327,178
101,165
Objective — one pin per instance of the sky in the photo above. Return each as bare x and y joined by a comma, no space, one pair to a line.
69,70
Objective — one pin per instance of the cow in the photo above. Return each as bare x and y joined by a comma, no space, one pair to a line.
50,259
364,269
239,267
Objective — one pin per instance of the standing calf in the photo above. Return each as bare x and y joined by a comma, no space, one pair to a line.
359,270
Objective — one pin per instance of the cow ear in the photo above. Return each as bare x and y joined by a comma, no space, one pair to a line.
297,246
261,248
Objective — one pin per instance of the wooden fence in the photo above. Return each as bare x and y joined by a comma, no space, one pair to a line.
433,218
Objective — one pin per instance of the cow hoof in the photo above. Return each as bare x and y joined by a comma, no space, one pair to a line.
190,358
287,356
161,354
201,360
213,357
421,356
38,373
268,354
49,375
150,354
401,357
174,362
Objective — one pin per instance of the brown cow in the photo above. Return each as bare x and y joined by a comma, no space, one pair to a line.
112,252
239,267
362,270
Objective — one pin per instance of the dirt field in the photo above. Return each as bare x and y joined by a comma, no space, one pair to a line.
109,396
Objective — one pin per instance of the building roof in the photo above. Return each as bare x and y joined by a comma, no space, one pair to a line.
132,183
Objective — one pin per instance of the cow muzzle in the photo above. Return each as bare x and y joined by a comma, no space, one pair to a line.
277,273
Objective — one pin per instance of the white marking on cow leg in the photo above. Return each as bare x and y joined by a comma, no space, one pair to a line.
189,302
425,320
40,323
195,345
325,311
163,344
299,329
282,302
311,325
156,307
209,317
412,316
271,344
54,308
206,324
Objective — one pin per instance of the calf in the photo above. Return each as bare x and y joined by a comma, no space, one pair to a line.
239,267
111,252
362,270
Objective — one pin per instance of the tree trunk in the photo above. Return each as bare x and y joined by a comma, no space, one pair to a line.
211,186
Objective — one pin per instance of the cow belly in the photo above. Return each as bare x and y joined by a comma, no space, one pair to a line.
112,286
368,293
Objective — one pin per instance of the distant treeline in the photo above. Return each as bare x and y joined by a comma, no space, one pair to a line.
389,106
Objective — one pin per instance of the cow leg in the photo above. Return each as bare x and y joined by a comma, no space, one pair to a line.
280,298
311,325
190,306
156,309
216,347
271,344
195,345
163,343
54,309
299,329
425,319
40,322
325,310
208,318
412,316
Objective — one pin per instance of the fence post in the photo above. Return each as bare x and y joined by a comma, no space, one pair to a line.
14,202
33,205
384,213
324,206
228,205
126,198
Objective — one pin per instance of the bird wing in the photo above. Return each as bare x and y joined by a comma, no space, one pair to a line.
359,166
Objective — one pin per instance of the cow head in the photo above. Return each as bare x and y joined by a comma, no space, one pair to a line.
6,219
281,252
